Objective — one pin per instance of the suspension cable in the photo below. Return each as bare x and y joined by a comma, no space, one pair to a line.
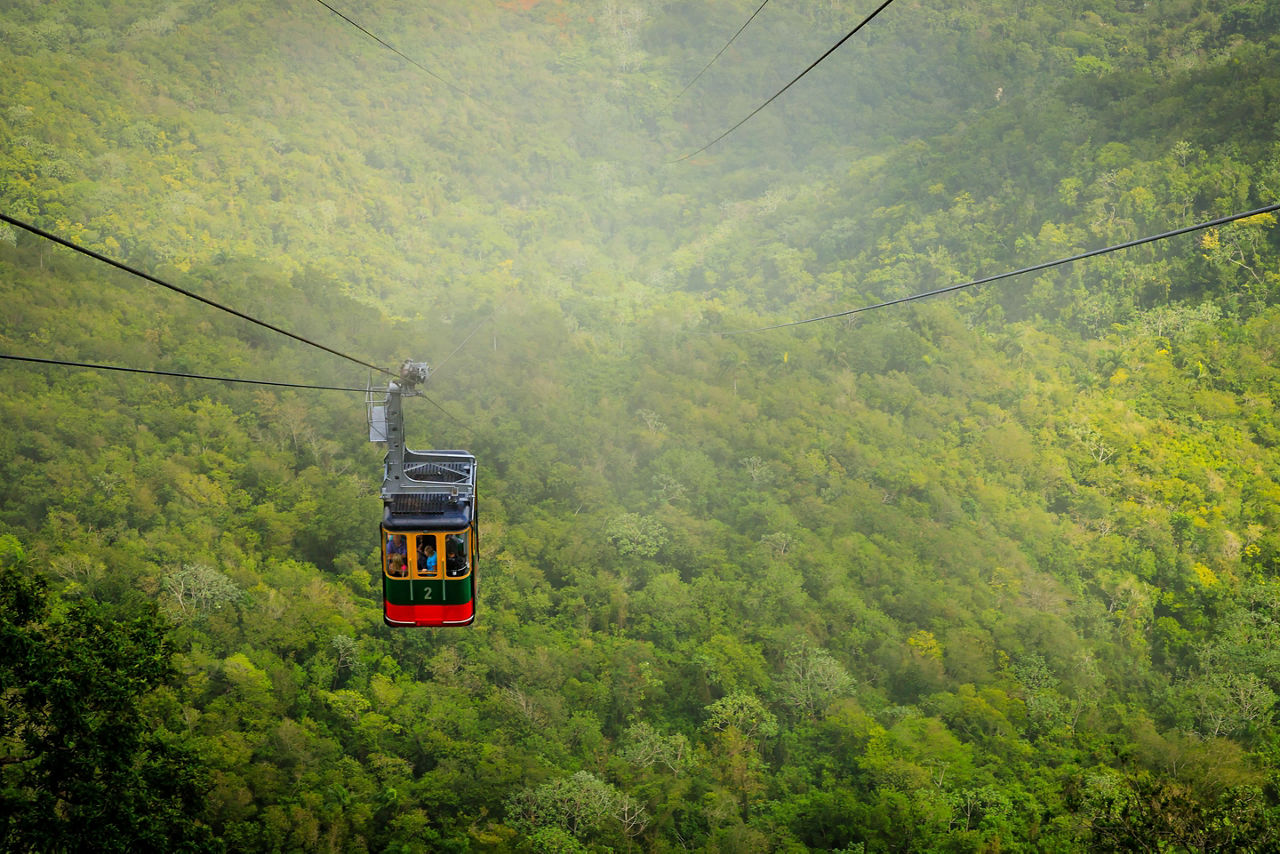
464,425
306,386
98,367
1200,226
403,56
734,38
97,256
446,359
884,5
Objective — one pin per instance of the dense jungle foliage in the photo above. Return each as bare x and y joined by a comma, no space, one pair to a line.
997,571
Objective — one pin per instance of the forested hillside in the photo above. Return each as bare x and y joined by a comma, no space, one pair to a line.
994,571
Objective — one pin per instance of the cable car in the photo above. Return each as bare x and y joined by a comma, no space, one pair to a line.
429,532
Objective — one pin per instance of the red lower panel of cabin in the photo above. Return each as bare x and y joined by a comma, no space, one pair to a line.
429,615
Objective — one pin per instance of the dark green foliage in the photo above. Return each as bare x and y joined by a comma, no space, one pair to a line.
83,767
1144,814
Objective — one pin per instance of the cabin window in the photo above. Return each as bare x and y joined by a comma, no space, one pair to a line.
426,555
457,555
423,555
396,556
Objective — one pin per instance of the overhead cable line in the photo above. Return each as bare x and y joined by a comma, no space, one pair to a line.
471,335
97,256
304,386
447,413
1200,226
97,367
179,374
775,95
698,77
404,56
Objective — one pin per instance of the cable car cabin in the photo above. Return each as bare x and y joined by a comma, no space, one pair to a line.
429,547
429,533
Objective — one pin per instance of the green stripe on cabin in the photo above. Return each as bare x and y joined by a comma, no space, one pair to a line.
427,591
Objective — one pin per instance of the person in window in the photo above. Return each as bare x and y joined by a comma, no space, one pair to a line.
397,556
455,558
426,555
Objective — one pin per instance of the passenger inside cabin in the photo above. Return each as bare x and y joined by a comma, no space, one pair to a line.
397,556
426,554
455,556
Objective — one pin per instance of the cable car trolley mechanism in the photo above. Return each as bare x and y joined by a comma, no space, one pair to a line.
429,534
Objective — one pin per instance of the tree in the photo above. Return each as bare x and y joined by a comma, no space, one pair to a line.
1145,813
739,721
83,767
198,589
1225,703
646,747
743,712
581,806
636,535
812,678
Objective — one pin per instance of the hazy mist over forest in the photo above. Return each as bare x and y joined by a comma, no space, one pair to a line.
997,570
